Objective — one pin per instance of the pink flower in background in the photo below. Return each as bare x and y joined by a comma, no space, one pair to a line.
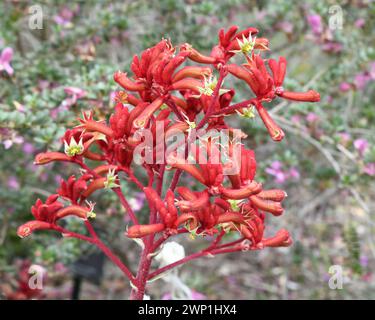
315,22
280,175
276,171
369,169
195,295
360,23
296,119
361,145
345,137
28,148
285,26
312,117
361,80
372,70
5,59
345,86
136,203
294,173
12,139
74,94
65,17
332,46
13,183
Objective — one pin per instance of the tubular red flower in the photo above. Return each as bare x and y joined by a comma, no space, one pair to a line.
273,194
191,72
122,79
244,192
281,239
267,205
47,157
29,227
77,211
196,56
275,132
142,230
142,120
309,96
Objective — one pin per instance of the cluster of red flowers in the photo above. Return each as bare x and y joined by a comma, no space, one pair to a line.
183,98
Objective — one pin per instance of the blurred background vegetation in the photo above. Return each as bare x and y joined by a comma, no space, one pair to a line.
326,163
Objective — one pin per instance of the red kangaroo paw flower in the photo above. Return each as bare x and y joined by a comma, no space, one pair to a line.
273,194
77,211
95,185
309,96
142,230
142,120
194,205
188,218
231,217
122,79
47,157
187,84
29,227
278,70
276,133
244,192
281,239
190,168
196,56
267,205
105,168
192,72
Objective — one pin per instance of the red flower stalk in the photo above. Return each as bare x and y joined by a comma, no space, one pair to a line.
164,92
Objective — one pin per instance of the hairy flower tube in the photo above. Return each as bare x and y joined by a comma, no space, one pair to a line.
170,118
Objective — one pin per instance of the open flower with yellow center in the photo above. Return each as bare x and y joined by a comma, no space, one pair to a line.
111,180
73,148
246,45
247,112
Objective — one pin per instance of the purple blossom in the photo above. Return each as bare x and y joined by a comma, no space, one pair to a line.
315,22
28,148
5,59
136,203
363,261
361,145
13,183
